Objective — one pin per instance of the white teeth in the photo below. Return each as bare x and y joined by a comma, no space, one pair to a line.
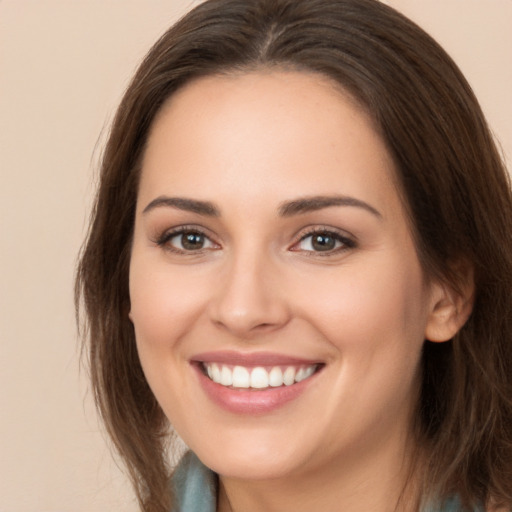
275,377
215,373
299,375
289,376
241,377
258,377
309,371
226,376
304,373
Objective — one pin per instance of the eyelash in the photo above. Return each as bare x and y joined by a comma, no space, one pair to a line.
164,239
346,242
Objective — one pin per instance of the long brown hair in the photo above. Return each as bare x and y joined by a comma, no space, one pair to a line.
454,185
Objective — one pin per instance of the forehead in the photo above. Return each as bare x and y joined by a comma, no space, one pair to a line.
265,134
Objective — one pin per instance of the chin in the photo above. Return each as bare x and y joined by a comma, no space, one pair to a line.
250,457
247,467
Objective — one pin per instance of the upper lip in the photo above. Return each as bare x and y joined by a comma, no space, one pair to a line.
231,357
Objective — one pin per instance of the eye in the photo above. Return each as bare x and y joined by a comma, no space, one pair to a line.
186,240
323,241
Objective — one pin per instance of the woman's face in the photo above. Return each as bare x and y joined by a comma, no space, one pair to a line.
271,246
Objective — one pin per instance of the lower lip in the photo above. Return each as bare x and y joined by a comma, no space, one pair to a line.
245,401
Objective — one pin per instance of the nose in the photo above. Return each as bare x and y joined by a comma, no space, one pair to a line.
250,299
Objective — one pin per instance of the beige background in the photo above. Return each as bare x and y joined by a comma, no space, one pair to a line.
63,67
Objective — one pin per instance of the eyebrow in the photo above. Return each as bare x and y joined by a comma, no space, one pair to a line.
313,203
205,208
286,209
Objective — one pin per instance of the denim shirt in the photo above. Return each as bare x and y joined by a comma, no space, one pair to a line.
195,488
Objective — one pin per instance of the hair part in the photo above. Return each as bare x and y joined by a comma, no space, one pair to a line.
452,180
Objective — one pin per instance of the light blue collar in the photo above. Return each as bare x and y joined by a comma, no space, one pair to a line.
195,486
451,505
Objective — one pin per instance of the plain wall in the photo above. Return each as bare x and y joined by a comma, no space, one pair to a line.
63,67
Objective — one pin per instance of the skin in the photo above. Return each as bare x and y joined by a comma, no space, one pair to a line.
248,143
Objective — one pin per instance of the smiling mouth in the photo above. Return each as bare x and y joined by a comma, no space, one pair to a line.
258,377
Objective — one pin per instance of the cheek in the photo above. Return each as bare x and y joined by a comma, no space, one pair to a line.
375,322
164,304
365,309
165,307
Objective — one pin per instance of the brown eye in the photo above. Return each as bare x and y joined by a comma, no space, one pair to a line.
323,242
186,241
192,241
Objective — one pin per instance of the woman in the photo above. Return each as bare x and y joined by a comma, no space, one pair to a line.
300,258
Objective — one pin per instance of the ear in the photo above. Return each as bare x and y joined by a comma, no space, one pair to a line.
450,305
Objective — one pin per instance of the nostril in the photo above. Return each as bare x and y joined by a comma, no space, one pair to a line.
246,304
